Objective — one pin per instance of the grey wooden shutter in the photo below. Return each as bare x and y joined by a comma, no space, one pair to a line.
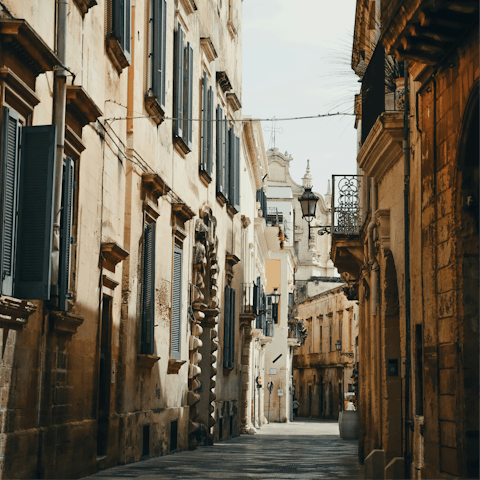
176,304
9,198
227,162
66,233
121,24
128,31
220,150
236,180
178,96
226,328
163,62
204,144
35,219
148,290
225,156
255,299
157,49
189,101
232,329
211,126
231,166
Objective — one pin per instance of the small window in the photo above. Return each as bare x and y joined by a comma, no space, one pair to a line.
148,290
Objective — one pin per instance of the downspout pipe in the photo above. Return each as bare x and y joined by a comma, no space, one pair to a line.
371,248
406,163
59,107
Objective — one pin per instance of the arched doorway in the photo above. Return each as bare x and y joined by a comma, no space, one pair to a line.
468,285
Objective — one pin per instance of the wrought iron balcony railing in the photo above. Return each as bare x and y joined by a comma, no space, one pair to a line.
248,295
346,204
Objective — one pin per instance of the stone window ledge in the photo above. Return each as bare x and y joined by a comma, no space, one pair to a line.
65,322
117,55
154,109
85,5
146,361
174,366
181,146
15,312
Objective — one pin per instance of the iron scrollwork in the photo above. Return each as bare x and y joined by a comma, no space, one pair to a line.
346,204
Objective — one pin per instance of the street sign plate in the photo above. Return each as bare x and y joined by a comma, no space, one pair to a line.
280,392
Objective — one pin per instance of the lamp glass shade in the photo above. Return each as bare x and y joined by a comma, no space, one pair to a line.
275,296
308,202
338,345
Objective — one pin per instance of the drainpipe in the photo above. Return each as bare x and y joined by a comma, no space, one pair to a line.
406,163
371,249
59,106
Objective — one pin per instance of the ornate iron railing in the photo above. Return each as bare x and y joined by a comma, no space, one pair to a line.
346,204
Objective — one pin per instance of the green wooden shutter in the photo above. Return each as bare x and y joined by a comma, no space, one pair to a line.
178,85
66,233
176,304
227,163
128,31
232,329
220,125
35,219
163,61
231,166
157,49
121,25
189,102
148,290
211,126
236,180
9,198
204,144
226,327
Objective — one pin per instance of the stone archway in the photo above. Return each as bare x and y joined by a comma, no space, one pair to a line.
203,343
467,261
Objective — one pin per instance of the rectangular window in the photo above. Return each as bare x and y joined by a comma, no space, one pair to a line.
207,127
229,329
233,172
221,131
148,290
175,353
121,25
340,331
158,50
321,339
330,331
26,191
183,92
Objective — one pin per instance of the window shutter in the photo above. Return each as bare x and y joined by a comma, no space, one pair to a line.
148,306
157,49
231,166
255,299
265,306
189,101
163,62
226,328
121,24
236,181
128,31
66,233
9,198
178,97
211,126
226,161
176,303
232,329
204,146
220,148
35,219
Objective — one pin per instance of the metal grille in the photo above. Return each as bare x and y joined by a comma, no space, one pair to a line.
347,217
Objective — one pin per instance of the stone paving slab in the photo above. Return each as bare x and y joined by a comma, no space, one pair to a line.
304,449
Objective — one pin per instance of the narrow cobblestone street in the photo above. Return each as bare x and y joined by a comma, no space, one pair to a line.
307,448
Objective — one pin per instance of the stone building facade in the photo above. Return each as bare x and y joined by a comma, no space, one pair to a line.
322,373
410,250
128,188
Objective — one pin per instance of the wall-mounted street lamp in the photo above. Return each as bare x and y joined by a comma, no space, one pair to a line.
308,202
275,295
338,346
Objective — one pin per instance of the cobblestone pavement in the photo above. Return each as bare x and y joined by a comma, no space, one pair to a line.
308,449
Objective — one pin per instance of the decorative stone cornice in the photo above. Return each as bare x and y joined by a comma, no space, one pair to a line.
245,221
116,54
81,106
224,81
189,6
65,322
182,211
22,41
112,254
155,185
174,366
233,101
383,145
208,48
15,312
29,100
109,282
85,5
230,261
382,218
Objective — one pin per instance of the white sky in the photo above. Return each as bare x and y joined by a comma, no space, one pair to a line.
296,62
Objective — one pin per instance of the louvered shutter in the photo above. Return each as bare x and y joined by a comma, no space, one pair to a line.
232,329
236,180
35,219
178,94
226,328
148,290
66,233
176,304
255,299
157,49
9,198
163,62
231,166
220,149
211,126
189,101
121,24
204,145
227,163
128,31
